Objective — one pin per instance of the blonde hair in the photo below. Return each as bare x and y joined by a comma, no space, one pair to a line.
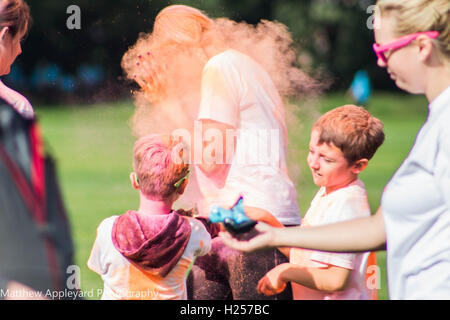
155,62
411,16
181,24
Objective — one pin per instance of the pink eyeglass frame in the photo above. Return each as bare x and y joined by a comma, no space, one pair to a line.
399,43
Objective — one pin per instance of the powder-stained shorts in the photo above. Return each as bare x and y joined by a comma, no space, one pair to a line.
227,274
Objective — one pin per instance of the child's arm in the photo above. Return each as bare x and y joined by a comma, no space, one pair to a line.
262,215
328,279
357,235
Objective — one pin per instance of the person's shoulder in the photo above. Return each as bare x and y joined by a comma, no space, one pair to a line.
198,230
196,225
106,225
354,189
200,240
227,59
352,199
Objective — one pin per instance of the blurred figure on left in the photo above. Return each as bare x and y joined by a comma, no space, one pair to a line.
36,247
15,21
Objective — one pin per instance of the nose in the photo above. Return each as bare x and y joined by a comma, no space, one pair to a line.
313,162
381,63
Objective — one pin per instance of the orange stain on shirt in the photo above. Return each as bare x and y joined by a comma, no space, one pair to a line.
142,285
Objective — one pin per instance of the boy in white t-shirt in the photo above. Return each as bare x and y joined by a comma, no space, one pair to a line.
146,254
341,145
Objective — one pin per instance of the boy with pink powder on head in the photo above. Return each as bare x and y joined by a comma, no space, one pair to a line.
342,142
146,254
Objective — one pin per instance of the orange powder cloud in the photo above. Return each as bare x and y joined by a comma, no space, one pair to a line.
169,74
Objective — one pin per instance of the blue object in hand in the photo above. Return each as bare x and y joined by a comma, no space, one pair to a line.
235,220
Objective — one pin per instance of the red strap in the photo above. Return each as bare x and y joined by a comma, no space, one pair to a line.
21,184
35,196
38,170
38,183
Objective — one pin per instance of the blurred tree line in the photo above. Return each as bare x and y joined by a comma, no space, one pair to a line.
60,64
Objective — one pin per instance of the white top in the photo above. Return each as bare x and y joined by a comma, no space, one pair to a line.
123,281
343,204
237,91
18,101
416,211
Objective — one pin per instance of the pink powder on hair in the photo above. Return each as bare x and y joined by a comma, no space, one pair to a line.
155,166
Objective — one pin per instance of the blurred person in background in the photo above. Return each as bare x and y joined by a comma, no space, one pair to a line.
15,21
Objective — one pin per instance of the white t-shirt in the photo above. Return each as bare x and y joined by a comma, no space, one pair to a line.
343,204
18,101
123,281
238,92
416,212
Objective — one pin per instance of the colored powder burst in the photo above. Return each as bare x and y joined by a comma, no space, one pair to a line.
169,74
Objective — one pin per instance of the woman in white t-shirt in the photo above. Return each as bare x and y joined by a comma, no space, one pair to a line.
210,83
413,222
13,27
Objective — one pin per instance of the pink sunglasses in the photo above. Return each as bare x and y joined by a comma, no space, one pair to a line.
399,43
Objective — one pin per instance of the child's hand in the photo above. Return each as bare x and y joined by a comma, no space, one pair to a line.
264,239
272,283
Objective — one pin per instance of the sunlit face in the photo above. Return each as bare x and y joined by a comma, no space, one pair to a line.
10,48
402,64
329,167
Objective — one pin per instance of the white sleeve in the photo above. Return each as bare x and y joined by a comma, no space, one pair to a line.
443,166
96,260
201,237
220,93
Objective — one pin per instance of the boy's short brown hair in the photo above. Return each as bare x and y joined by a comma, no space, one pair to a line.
353,130
158,165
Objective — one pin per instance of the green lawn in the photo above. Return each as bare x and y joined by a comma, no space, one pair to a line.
93,146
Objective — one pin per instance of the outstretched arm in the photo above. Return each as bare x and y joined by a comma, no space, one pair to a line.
358,235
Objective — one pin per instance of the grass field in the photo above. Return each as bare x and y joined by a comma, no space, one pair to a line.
93,146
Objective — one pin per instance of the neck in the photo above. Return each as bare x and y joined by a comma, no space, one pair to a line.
439,80
154,207
331,189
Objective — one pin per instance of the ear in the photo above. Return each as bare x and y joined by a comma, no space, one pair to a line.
359,166
180,189
134,181
425,45
3,33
